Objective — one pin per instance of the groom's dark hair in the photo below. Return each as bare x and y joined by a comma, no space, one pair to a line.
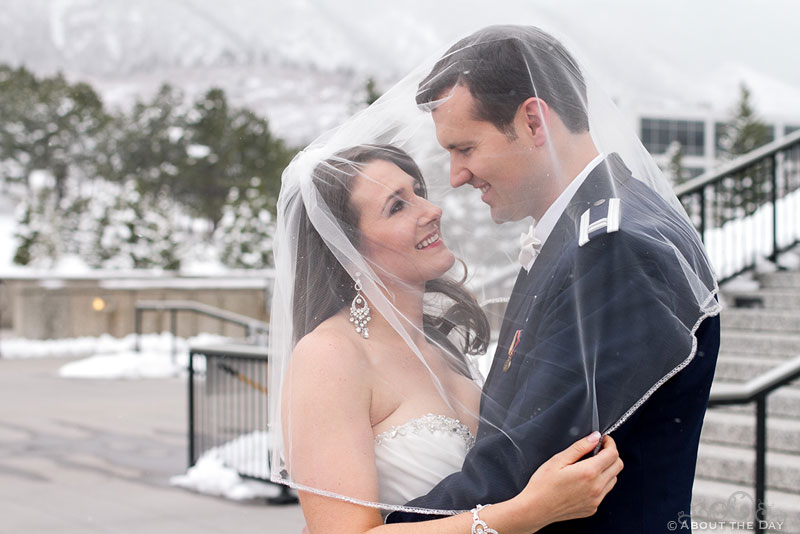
502,66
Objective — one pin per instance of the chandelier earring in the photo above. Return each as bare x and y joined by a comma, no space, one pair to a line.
359,310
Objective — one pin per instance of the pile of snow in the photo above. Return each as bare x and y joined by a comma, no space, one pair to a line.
155,362
127,364
213,473
732,246
789,260
14,348
748,281
113,358
743,283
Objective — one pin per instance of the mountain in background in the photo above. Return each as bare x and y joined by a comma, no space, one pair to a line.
304,63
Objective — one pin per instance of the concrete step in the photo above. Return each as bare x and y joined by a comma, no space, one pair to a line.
739,430
736,465
721,507
770,298
780,279
738,368
785,402
752,342
764,320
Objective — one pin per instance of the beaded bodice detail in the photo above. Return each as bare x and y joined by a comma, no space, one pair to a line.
431,423
413,457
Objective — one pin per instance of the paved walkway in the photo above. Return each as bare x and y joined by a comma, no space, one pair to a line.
95,456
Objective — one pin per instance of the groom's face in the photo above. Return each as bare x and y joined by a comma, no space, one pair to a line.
502,168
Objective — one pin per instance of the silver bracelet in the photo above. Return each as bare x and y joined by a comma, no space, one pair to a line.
479,526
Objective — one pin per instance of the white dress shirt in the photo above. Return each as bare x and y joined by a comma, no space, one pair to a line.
540,230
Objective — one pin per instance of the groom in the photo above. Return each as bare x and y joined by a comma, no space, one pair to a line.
603,286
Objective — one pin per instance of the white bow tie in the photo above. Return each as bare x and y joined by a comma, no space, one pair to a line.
529,249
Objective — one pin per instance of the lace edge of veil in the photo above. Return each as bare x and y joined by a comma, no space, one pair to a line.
714,311
370,504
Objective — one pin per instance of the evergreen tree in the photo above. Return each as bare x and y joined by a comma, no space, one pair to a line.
107,225
745,131
371,91
38,230
48,124
113,183
227,148
244,235
138,231
148,143
675,169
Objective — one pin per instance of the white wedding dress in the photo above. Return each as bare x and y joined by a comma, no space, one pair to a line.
415,456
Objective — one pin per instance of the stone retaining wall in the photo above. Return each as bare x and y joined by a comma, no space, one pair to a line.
55,308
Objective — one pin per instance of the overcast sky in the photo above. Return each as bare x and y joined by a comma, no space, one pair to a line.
675,45
697,49
759,33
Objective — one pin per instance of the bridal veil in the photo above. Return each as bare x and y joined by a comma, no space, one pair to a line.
661,285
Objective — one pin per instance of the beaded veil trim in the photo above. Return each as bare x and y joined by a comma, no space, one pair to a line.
715,310
429,422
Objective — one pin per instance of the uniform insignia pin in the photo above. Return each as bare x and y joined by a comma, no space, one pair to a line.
511,349
610,222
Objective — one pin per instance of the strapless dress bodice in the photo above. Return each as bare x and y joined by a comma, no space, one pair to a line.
415,456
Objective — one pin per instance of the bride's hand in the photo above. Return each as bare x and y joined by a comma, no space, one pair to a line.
565,488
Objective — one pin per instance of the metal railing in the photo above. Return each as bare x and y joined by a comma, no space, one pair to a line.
748,209
253,327
757,390
228,411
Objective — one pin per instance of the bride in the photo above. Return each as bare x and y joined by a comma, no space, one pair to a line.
379,399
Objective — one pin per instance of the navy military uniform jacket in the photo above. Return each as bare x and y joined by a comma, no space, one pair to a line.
623,281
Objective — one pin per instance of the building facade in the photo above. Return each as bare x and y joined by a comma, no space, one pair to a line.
699,134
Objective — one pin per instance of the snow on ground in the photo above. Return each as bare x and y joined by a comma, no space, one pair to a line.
114,358
743,282
215,472
126,364
789,260
741,241
84,346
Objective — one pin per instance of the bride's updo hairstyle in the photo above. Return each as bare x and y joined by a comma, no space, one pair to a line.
322,285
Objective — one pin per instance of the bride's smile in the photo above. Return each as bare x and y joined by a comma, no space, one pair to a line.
400,229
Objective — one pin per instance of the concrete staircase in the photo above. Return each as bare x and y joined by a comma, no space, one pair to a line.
754,340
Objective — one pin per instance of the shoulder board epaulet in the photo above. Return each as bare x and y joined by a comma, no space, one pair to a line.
603,215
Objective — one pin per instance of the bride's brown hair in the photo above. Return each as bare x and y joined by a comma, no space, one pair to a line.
322,285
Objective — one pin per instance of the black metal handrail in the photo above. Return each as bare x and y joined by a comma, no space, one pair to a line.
228,410
253,327
741,163
747,209
757,390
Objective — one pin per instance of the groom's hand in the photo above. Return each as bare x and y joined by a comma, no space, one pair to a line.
566,488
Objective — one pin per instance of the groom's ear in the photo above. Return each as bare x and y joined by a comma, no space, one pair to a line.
534,112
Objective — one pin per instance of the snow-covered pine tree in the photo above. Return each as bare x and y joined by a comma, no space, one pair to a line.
676,172
48,124
38,231
744,131
245,232
139,231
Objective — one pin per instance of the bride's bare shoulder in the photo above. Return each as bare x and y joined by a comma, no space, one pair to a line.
327,376
330,347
